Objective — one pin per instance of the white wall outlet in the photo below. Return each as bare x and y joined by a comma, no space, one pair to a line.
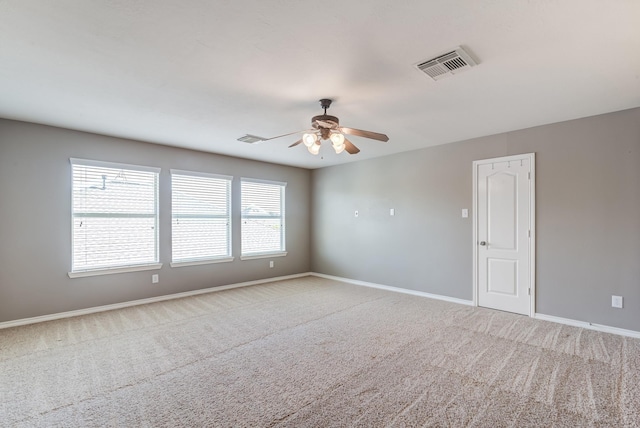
356,213
465,213
155,278
616,302
271,264
392,211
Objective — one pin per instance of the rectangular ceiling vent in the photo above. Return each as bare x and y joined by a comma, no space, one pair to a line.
251,139
446,64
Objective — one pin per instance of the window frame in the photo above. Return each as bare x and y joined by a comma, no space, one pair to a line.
283,242
220,259
155,265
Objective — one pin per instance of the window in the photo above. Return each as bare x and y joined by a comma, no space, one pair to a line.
115,218
262,218
200,218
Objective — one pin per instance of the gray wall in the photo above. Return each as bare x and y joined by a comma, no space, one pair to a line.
588,217
35,222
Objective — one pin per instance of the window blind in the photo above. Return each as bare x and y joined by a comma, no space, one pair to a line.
201,216
115,215
263,217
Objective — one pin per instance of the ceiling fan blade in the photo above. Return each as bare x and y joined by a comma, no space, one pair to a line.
365,134
296,143
285,135
350,147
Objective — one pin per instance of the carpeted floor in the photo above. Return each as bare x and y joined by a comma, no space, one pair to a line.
315,352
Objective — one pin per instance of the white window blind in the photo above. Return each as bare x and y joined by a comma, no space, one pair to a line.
263,225
115,215
201,216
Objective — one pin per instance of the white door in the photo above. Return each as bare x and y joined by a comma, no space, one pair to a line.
504,262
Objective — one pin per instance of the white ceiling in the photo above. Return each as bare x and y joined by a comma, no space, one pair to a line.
200,74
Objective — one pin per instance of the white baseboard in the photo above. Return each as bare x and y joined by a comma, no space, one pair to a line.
69,314
567,321
79,312
396,289
588,325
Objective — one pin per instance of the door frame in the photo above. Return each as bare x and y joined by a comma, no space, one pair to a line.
532,223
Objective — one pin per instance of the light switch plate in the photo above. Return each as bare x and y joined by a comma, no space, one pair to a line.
392,211
465,213
616,302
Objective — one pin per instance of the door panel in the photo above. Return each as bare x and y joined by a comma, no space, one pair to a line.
503,202
503,276
502,193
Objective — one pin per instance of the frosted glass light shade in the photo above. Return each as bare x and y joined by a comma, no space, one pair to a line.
338,148
337,139
309,139
314,149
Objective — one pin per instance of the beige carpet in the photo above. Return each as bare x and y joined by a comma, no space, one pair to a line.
314,352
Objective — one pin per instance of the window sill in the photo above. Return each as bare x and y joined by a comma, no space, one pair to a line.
110,271
263,255
202,262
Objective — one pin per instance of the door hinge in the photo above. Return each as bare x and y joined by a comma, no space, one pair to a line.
529,175
529,292
529,234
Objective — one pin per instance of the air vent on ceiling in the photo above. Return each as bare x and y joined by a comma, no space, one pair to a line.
251,139
447,64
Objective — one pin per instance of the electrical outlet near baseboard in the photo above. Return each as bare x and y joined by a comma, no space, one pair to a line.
155,278
271,263
616,302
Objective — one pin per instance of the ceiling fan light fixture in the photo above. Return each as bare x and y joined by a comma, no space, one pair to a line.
309,140
325,127
337,139
314,149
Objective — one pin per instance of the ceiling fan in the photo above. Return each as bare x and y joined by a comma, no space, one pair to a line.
325,127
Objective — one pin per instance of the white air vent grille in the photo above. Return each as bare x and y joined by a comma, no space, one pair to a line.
446,64
251,139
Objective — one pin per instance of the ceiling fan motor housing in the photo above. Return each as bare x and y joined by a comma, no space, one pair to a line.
332,120
320,123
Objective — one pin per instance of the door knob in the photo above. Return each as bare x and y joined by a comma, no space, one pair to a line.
483,243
